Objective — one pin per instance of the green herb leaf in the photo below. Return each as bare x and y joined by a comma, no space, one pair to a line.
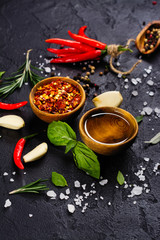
86,160
1,74
120,178
60,133
155,139
139,118
33,187
58,180
23,74
71,144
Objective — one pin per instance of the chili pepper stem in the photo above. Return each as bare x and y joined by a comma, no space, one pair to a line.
123,49
30,136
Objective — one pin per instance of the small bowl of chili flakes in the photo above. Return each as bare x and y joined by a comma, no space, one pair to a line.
57,98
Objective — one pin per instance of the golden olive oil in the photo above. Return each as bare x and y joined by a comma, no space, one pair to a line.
108,128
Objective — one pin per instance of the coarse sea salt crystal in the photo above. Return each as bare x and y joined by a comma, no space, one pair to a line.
101,197
13,173
134,202
5,174
47,69
157,111
137,190
134,93
118,64
103,182
62,196
126,80
77,184
139,80
67,191
51,194
148,110
151,94
134,81
145,75
84,186
146,159
71,208
7,203
119,75
109,203
148,71
126,86
30,215
145,103
11,180
150,82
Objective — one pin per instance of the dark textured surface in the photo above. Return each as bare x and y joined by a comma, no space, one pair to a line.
25,25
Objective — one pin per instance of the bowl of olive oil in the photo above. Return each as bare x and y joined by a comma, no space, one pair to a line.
108,130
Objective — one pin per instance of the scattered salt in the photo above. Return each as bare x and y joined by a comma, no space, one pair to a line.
157,111
62,196
109,203
134,81
150,82
103,182
137,190
101,197
67,191
30,215
134,202
11,180
47,69
51,194
77,184
13,173
7,203
119,75
145,103
126,86
147,110
151,93
146,159
126,80
84,186
145,75
134,93
118,64
71,208
148,71
5,174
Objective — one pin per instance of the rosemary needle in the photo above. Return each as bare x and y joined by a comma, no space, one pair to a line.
34,187
23,74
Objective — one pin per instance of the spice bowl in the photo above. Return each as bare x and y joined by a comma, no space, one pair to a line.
148,39
64,113
108,130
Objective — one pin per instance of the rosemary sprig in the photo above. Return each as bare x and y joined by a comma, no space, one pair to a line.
34,187
23,74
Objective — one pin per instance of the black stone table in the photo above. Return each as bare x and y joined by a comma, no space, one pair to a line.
112,211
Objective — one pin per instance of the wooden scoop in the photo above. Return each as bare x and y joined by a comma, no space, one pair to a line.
140,40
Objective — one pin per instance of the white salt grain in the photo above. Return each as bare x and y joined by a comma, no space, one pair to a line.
119,75
71,208
147,110
67,191
103,182
51,194
11,180
134,81
5,174
145,103
150,82
134,93
137,190
146,159
62,196
84,186
148,71
77,184
145,75
13,173
151,94
7,203
30,215
47,69
109,203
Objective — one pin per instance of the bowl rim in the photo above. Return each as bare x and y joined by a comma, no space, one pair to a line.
116,110
48,80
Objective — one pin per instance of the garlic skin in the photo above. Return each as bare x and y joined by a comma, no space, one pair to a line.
108,99
36,153
12,122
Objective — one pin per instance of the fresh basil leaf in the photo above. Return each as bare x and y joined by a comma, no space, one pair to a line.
86,160
58,180
120,178
155,139
139,118
71,144
60,133
1,74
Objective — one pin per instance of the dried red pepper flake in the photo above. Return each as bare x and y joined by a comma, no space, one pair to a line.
57,97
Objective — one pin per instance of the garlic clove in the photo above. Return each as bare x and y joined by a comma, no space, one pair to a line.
36,153
12,122
108,99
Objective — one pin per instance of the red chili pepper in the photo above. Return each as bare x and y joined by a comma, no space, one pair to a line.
70,43
80,57
19,149
81,31
64,50
8,106
89,41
